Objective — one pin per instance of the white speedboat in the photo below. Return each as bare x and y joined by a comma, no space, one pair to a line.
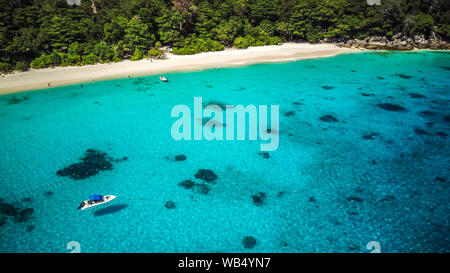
95,200
164,79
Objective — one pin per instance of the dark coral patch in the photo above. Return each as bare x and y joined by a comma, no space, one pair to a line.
440,179
367,94
206,175
353,248
391,107
354,199
170,205
380,78
403,76
24,215
8,209
266,155
328,118
370,136
138,81
187,184
259,198
388,198
447,118
30,228
91,164
249,242
327,87
438,101
416,96
289,113
441,134
121,159
19,215
48,193
180,158
16,100
427,113
419,131
196,187
239,89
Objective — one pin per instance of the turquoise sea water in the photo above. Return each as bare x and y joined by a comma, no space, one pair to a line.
364,173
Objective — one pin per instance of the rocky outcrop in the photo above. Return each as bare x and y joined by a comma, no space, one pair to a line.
398,41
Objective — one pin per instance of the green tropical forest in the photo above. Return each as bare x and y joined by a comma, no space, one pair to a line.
48,33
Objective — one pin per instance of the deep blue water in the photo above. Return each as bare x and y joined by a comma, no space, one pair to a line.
363,173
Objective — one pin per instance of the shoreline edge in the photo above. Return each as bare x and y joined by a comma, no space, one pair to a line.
61,76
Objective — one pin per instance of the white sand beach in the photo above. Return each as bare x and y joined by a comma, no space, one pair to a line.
42,78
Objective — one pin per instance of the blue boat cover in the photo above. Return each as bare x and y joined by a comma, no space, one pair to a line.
95,197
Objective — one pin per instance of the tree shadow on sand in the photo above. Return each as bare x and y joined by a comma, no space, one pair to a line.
110,209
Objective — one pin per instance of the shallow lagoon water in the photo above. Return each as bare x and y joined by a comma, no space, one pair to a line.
361,173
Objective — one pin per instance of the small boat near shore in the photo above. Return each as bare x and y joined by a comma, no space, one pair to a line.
95,200
164,79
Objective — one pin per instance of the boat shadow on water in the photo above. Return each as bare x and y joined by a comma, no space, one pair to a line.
110,210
